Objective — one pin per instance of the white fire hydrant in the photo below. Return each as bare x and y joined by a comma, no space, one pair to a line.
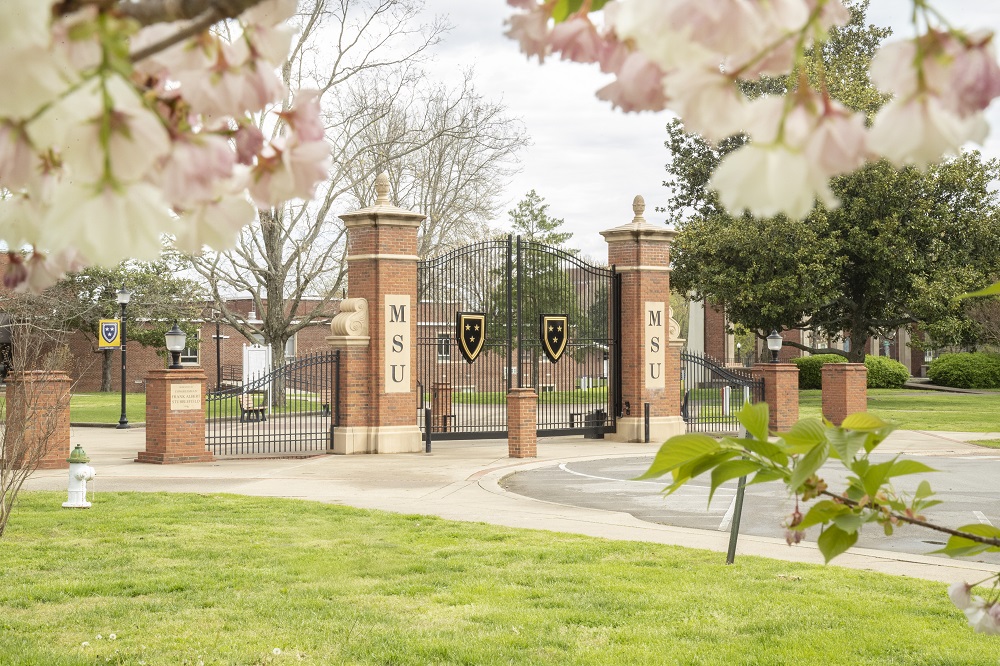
79,473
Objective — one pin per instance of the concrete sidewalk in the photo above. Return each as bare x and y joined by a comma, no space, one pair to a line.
460,481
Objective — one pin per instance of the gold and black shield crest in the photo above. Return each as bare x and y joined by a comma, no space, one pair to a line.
555,334
470,333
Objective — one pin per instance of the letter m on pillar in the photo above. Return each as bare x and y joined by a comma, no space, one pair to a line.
397,313
655,318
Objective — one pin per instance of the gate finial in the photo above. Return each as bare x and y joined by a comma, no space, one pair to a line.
382,189
638,207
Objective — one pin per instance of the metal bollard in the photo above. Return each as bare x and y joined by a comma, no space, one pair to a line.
645,409
427,430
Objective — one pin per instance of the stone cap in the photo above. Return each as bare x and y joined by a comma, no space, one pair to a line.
383,213
639,229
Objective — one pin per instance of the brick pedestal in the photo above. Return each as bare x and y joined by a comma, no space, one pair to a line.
37,426
522,423
381,272
781,393
175,417
441,415
640,253
845,390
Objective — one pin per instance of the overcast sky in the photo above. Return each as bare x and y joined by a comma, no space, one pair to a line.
587,160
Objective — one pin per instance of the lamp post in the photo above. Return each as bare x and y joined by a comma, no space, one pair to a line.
774,342
739,352
176,339
218,355
124,295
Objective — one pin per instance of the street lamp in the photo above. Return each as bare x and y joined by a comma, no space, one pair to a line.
739,352
774,345
176,339
124,295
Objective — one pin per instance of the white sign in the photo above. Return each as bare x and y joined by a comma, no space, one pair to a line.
184,397
655,314
397,344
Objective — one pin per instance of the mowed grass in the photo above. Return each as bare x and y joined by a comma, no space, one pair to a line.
106,407
220,579
923,410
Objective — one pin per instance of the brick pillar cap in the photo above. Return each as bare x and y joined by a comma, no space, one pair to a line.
181,373
639,229
383,213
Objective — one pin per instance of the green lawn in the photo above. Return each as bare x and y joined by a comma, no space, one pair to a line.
988,443
220,579
106,407
923,410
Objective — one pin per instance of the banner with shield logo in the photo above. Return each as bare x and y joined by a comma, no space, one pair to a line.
470,333
109,334
555,334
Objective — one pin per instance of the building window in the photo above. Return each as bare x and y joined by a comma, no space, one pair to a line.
290,348
444,347
190,355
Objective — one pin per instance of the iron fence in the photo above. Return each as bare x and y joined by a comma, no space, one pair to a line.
712,394
290,410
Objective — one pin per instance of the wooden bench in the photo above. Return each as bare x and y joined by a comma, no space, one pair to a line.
250,410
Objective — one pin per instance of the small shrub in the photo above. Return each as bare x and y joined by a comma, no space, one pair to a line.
811,369
885,373
967,370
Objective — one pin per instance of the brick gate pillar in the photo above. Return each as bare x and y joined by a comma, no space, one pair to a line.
37,429
175,417
845,390
382,270
781,393
640,252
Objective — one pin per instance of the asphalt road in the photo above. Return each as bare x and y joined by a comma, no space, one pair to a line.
969,488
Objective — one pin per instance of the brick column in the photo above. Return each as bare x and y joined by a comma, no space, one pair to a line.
441,406
845,390
640,252
175,417
781,393
37,426
522,423
382,270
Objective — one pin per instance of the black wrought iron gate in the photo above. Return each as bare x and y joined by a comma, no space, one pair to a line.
712,394
497,295
290,410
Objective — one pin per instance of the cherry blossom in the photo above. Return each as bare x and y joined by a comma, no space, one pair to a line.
983,616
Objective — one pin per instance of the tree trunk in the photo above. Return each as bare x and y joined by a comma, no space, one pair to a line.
106,371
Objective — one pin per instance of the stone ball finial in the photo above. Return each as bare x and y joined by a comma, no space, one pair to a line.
638,207
382,189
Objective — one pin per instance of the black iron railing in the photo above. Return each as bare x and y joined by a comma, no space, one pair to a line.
712,394
290,410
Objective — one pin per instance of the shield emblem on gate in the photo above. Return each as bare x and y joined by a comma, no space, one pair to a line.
470,333
554,331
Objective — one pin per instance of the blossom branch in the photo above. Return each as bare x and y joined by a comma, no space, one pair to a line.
991,541
149,12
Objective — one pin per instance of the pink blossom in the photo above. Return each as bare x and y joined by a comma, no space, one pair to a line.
975,79
577,40
16,272
195,163
289,171
838,142
249,142
522,4
18,162
215,222
724,26
531,30
707,100
768,179
638,87
44,271
271,12
922,129
305,117
612,55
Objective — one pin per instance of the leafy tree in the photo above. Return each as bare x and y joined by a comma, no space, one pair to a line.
159,298
530,219
900,248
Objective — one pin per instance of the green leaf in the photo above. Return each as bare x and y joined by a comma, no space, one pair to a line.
992,290
563,8
875,476
702,464
959,546
834,541
904,467
754,418
731,469
765,476
822,512
846,444
863,421
849,522
678,450
768,450
924,490
808,465
804,435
